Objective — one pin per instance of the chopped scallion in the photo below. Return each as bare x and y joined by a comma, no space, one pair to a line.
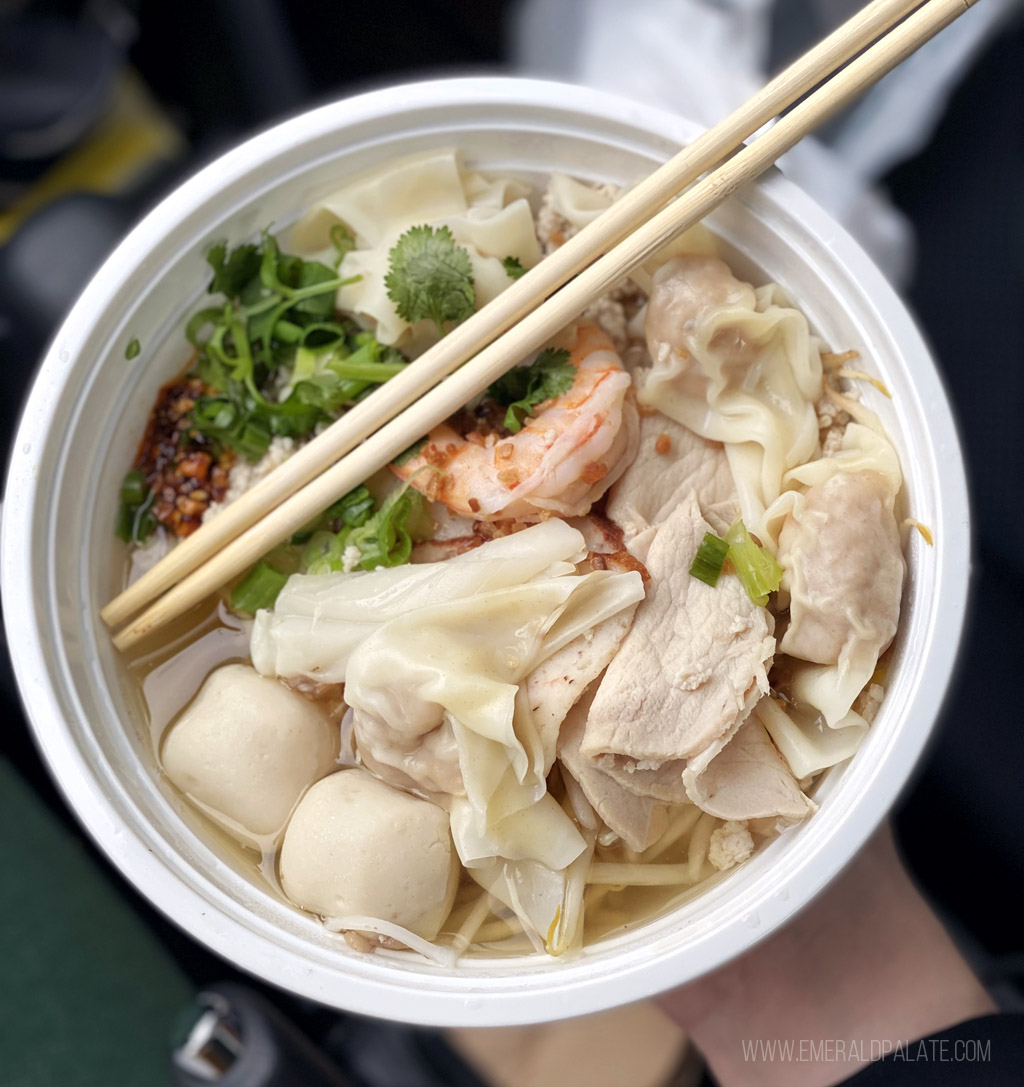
707,563
134,488
757,570
386,538
135,520
324,554
258,589
356,508
343,242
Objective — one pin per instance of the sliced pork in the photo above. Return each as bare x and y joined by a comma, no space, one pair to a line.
638,821
671,461
746,779
694,662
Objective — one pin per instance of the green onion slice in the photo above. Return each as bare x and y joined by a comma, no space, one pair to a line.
258,589
707,563
758,572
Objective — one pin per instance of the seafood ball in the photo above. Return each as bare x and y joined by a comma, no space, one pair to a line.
358,847
246,748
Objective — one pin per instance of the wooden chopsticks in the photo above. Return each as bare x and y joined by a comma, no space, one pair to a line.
518,299
432,388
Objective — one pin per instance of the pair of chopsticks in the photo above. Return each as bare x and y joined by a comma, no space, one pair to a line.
529,312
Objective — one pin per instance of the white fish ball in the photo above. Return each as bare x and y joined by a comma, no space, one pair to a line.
356,846
245,749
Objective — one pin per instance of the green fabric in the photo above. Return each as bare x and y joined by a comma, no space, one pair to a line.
88,996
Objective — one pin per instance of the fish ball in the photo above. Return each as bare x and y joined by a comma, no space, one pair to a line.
246,748
358,847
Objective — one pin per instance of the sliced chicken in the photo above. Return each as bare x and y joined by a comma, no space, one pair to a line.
665,783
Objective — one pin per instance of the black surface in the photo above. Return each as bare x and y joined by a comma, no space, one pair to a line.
55,78
960,826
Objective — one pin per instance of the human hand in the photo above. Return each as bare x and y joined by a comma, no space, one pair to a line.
866,966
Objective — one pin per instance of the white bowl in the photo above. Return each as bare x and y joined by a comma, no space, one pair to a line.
87,411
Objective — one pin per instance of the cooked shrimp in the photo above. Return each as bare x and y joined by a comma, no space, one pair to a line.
565,457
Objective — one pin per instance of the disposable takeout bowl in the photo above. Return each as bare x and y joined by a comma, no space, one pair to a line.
86,414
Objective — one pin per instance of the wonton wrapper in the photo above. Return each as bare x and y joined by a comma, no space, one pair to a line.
735,365
580,203
838,543
809,746
490,218
436,688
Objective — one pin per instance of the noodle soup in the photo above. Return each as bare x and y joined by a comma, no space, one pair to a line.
579,652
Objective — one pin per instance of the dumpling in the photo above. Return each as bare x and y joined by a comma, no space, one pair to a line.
803,741
456,670
735,365
837,541
245,749
840,550
319,619
356,847
434,659
569,205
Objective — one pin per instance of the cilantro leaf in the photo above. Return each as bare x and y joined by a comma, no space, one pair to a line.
430,277
232,271
513,267
524,387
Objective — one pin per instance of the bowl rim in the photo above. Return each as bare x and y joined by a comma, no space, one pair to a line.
467,1000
